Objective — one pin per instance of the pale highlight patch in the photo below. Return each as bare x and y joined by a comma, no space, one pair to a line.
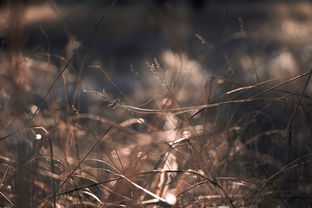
40,13
283,66
171,198
295,30
38,136
33,108
72,45
189,72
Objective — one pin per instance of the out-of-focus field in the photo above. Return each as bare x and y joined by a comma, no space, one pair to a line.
155,103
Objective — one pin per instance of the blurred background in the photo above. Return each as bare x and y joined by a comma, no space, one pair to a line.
260,39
